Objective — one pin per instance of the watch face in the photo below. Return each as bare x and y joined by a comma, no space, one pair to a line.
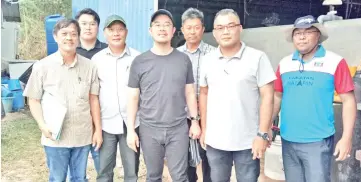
264,136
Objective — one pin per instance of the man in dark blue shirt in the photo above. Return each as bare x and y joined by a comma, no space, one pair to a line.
89,25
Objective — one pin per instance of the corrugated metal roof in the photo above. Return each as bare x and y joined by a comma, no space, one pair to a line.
136,13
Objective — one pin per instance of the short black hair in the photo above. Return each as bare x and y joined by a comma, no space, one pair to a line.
88,11
63,23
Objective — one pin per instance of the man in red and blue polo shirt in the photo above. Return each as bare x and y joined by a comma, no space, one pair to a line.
305,84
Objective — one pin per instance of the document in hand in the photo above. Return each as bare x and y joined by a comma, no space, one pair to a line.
194,156
53,113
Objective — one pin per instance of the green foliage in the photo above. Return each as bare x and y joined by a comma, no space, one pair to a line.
32,43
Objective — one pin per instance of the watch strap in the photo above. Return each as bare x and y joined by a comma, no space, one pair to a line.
195,118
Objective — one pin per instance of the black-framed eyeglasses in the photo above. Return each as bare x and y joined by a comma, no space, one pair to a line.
229,27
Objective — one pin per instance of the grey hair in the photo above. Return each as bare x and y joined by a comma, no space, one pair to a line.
227,12
192,13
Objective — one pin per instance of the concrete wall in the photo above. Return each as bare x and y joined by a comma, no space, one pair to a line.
344,39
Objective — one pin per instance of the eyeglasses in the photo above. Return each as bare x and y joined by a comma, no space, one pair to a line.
229,27
159,26
306,33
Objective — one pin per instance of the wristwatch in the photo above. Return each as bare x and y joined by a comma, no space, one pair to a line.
195,118
264,136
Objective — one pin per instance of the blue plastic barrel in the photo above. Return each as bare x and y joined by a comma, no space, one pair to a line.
18,102
5,92
50,22
14,84
3,114
7,103
4,80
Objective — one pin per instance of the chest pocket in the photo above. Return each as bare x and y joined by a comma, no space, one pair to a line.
82,90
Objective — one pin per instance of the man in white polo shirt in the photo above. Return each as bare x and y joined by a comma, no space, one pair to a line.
113,65
236,101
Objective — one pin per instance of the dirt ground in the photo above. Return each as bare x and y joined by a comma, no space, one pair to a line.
23,158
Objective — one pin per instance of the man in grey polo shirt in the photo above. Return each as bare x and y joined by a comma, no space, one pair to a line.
113,65
236,101
161,83
196,49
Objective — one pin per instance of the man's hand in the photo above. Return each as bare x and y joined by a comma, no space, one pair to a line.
195,130
133,140
46,131
97,140
343,149
259,147
202,140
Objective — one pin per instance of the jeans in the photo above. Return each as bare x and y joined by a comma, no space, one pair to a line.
308,162
95,156
59,159
221,162
171,143
108,154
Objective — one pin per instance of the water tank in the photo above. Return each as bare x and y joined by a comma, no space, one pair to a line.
50,22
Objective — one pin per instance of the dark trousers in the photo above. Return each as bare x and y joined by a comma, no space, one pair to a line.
308,162
171,143
206,170
107,157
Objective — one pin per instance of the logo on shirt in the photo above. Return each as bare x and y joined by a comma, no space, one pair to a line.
318,64
300,81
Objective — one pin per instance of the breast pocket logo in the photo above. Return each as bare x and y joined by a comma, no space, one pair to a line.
318,64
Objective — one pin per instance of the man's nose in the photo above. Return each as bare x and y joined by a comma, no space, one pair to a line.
68,36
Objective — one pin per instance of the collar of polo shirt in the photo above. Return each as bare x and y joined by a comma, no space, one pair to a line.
61,60
97,45
321,52
126,51
200,47
237,55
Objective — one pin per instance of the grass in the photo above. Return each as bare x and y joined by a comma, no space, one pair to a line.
22,155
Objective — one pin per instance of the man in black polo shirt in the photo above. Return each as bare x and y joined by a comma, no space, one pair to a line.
89,25
89,45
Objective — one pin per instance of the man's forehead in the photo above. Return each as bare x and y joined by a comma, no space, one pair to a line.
226,19
86,16
192,21
71,27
